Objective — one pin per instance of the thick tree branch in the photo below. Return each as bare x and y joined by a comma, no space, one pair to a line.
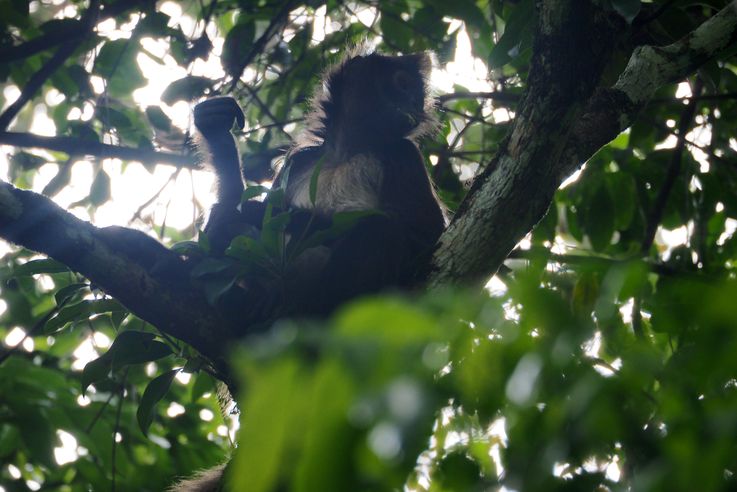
78,147
147,278
612,110
562,122
574,41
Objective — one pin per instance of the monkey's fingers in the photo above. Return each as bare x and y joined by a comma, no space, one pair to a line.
218,114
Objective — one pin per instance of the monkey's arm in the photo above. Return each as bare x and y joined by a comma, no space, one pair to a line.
214,119
368,258
408,194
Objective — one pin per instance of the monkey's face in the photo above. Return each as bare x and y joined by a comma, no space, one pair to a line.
381,98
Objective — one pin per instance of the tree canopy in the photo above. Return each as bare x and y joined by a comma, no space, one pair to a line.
578,327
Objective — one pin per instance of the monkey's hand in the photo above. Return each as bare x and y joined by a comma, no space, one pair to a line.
216,116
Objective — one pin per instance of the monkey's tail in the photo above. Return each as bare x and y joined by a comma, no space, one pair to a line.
203,481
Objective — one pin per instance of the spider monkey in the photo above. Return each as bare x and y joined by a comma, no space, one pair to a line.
361,133
360,137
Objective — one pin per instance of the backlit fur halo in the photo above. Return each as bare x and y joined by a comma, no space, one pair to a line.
322,103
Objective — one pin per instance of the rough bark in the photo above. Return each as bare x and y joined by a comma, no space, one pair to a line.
562,121
574,40
155,289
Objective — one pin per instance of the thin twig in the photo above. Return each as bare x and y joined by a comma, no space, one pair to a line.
266,110
280,124
54,38
260,43
470,117
705,97
674,169
116,428
148,202
78,147
499,96
99,413
42,75
656,212
637,317
32,332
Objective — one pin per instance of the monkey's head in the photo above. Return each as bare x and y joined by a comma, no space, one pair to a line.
374,99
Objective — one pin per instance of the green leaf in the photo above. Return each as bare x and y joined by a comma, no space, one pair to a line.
517,30
585,293
61,26
38,435
458,472
253,191
273,232
216,288
276,198
209,266
155,24
129,347
81,311
65,294
26,161
158,118
623,190
154,392
395,32
100,189
136,347
9,439
203,242
627,8
187,248
116,62
599,218
188,88
81,77
342,222
328,433
96,370
203,383
315,179
267,408
40,266
247,250
237,46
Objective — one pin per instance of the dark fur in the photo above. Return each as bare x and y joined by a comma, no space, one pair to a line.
362,128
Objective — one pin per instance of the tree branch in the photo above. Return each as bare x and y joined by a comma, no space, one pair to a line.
88,20
573,42
504,98
277,22
72,33
79,147
612,110
149,279
674,169
561,122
